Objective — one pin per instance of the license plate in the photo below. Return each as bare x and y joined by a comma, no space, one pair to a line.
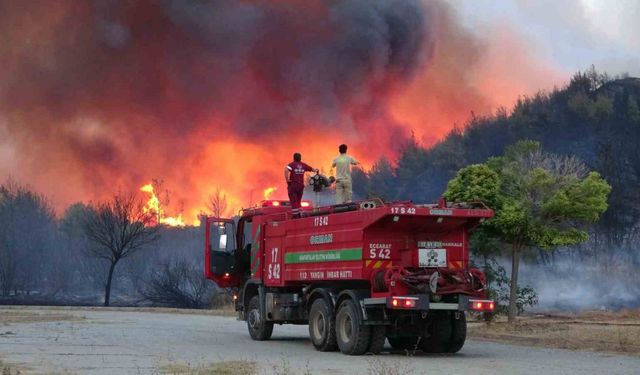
432,258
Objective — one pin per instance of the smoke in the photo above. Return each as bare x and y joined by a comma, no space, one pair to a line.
101,95
570,284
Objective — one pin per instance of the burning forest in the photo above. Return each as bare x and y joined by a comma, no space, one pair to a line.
399,175
196,107
219,94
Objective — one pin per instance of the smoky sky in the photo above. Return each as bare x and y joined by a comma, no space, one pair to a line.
100,94
179,63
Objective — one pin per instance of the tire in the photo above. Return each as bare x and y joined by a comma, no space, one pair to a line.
376,342
458,334
259,328
322,326
405,343
437,337
353,337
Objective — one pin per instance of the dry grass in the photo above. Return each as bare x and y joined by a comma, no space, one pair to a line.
6,369
9,316
617,317
596,331
395,367
217,368
13,369
225,311
283,367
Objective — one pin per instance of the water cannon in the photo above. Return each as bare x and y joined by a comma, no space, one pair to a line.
320,181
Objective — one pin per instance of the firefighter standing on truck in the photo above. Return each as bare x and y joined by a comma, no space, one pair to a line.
342,163
294,175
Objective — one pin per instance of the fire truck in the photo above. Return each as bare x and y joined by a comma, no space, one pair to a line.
357,273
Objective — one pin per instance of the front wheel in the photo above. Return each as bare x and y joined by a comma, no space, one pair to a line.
353,337
259,328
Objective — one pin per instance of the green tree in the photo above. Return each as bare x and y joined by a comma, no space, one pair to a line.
381,180
541,200
633,111
476,182
413,157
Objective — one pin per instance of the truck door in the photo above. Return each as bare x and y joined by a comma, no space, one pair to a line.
220,252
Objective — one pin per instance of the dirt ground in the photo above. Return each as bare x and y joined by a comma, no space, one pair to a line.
602,331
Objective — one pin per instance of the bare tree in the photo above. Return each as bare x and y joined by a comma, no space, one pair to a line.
89,272
178,284
217,203
118,228
27,236
161,192
567,168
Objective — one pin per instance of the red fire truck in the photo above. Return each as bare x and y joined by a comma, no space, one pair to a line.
356,273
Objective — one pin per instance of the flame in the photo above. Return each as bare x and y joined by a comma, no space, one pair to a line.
268,191
154,207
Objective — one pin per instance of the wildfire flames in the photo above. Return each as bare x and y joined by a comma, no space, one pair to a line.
153,207
218,95
268,191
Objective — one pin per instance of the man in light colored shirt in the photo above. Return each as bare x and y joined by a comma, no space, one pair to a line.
342,163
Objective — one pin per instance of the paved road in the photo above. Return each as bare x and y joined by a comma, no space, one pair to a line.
129,342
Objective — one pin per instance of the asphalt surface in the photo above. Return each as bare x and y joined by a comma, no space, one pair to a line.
129,342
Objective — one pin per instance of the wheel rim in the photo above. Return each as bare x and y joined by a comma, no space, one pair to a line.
318,326
346,327
254,319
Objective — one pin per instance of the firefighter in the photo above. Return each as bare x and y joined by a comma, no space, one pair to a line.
342,163
294,176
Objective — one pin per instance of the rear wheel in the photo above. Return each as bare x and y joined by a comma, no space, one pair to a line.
437,334
352,336
446,333
459,332
376,343
259,328
322,326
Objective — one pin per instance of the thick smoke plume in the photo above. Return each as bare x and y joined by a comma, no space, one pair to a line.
100,95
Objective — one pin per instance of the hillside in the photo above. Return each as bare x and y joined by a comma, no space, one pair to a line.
593,117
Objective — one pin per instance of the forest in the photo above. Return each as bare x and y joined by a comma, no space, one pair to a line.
53,259
595,119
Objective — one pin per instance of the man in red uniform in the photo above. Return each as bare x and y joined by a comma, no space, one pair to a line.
294,175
